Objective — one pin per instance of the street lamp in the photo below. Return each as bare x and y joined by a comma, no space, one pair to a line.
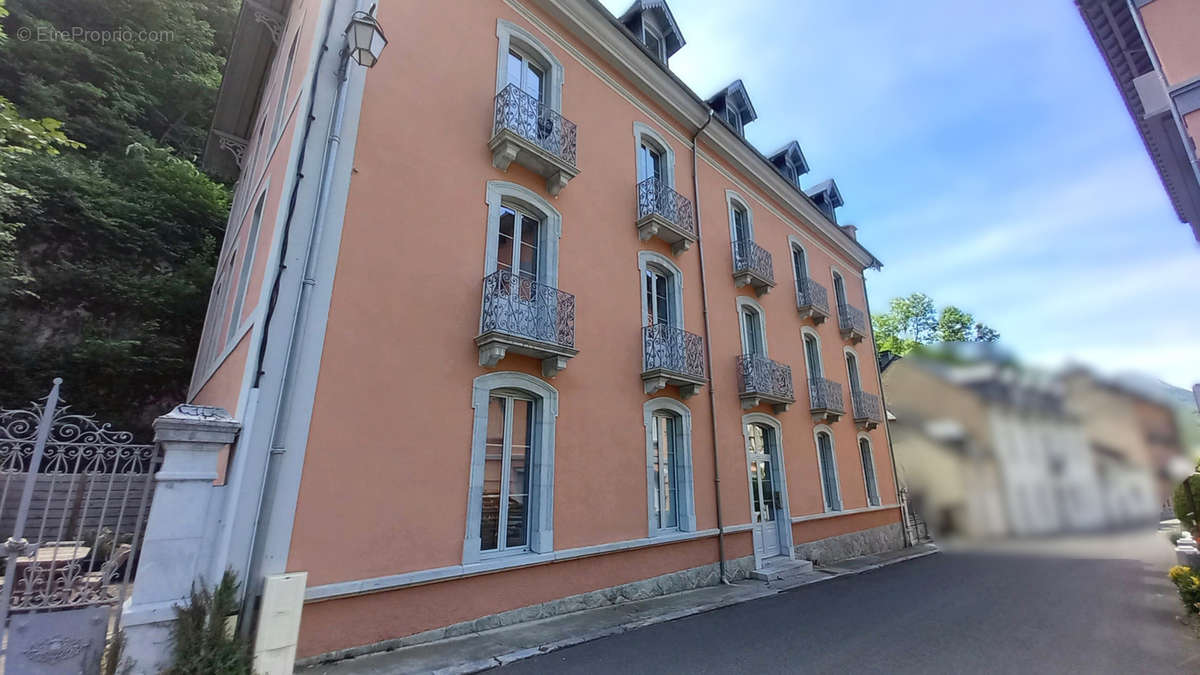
366,39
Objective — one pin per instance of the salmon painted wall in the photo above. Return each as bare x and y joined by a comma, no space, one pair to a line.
388,458
265,170
1172,26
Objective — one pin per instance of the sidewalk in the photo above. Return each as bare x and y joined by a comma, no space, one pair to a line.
499,646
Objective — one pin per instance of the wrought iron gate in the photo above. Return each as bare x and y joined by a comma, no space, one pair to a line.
74,495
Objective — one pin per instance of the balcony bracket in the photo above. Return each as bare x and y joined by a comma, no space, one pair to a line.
553,366
507,147
761,286
826,416
655,225
865,424
658,379
491,353
818,317
494,346
853,336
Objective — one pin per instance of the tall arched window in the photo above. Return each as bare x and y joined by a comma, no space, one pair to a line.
852,373
839,289
812,356
524,62
754,339
670,500
868,465
512,467
522,234
828,468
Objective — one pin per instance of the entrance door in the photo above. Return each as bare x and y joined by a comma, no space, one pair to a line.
764,490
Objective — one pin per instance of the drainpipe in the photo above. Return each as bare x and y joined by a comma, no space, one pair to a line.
712,390
887,431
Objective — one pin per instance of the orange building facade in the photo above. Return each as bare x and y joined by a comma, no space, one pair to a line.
508,329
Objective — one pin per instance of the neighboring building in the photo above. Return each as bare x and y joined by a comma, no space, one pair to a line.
1152,52
1137,442
989,449
495,323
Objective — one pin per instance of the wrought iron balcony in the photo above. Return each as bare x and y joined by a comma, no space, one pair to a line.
761,380
531,134
868,413
825,400
666,214
812,300
525,317
853,323
672,357
752,266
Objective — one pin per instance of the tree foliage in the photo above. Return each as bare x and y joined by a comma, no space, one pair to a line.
914,320
111,267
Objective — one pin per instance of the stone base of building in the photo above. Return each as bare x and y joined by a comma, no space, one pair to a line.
852,544
666,584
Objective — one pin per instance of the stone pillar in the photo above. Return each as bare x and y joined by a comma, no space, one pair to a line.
1185,550
175,550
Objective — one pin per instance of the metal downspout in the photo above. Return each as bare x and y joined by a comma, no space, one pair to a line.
712,393
887,430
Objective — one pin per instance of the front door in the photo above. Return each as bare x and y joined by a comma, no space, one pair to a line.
764,490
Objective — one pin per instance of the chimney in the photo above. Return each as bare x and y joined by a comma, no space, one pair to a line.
850,231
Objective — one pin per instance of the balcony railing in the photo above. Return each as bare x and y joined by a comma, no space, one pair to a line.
852,322
812,299
825,399
665,213
762,380
526,317
534,121
752,266
672,356
867,410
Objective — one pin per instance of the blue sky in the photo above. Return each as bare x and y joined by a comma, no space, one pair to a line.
984,154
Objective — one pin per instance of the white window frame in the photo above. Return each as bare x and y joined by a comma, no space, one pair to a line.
541,472
658,35
514,37
744,302
834,275
643,132
841,503
806,331
732,198
847,354
248,256
874,469
648,259
783,516
503,193
285,85
686,515
794,243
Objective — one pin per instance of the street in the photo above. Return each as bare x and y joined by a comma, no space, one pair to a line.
1095,604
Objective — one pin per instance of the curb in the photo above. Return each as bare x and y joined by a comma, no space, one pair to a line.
529,652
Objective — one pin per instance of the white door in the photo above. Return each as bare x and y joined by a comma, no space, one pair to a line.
764,491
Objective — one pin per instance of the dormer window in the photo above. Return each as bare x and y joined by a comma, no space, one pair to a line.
651,22
654,42
790,162
827,197
732,104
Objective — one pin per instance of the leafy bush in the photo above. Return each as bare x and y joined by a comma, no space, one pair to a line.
201,642
1188,584
1182,505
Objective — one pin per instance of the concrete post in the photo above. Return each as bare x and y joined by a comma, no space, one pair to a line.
175,551
1185,550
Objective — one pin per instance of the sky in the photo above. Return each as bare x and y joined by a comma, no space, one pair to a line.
986,157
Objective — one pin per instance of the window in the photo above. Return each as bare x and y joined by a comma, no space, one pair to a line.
868,464
522,234
812,355
512,466
828,467
655,158
650,162
522,61
281,103
659,296
754,339
654,41
799,266
247,262
741,224
839,289
509,445
669,466
852,372
734,117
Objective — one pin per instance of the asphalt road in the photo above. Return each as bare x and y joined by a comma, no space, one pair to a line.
1089,605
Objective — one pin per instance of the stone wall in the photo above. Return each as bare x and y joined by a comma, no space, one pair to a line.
864,542
696,577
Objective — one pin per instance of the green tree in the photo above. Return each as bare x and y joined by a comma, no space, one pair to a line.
119,240
954,325
914,320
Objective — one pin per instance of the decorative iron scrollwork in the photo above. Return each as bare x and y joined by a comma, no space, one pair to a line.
516,305
672,349
759,375
655,196
811,294
851,318
534,121
866,406
825,394
752,258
